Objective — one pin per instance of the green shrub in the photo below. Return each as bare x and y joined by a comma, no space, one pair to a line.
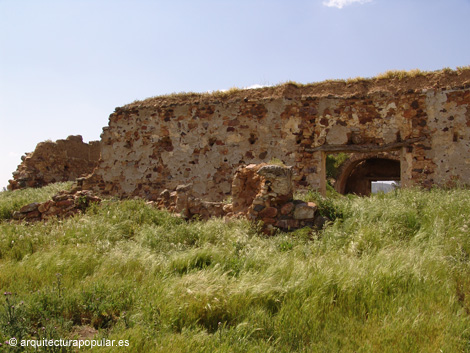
333,162
327,207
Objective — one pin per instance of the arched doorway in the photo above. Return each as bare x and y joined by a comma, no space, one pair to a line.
358,173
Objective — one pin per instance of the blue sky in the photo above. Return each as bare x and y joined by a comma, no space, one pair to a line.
66,64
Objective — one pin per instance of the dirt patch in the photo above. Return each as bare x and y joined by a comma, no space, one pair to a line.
84,332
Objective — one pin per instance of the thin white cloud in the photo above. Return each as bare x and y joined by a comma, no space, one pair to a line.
341,3
255,86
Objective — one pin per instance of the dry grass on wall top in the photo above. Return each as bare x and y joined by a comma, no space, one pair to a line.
389,81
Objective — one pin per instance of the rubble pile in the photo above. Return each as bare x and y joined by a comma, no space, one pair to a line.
62,205
260,192
264,192
183,202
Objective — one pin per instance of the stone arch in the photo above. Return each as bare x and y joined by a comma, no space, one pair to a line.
367,167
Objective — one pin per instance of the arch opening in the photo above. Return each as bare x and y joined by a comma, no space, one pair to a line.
366,174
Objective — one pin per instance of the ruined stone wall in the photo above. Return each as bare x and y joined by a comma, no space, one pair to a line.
52,162
166,141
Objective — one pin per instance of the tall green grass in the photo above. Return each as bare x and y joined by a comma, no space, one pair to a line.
391,273
12,201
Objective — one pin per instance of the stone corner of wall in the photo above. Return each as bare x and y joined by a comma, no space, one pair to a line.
62,160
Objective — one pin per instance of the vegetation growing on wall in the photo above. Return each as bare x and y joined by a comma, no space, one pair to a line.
333,162
400,75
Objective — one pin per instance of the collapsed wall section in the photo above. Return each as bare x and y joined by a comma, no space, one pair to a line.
163,142
52,162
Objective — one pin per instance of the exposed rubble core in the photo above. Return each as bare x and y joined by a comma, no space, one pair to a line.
62,205
265,193
183,202
262,192
51,162
164,142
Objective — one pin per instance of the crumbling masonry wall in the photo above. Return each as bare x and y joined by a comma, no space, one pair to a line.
52,162
202,139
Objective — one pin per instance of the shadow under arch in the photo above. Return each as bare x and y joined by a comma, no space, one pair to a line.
356,174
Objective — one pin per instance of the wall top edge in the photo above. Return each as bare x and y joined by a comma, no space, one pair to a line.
391,83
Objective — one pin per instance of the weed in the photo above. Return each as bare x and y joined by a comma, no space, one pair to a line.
461,69
13,321
276,161
333,162
327,207
401,74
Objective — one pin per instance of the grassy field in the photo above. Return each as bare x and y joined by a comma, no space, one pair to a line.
390,274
